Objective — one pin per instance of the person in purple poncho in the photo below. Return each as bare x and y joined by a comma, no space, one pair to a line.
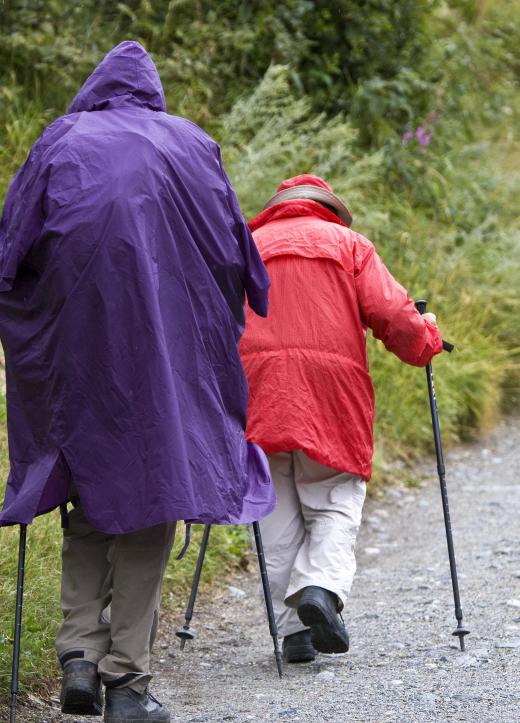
124,264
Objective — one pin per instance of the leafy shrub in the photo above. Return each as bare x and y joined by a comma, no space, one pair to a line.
209,53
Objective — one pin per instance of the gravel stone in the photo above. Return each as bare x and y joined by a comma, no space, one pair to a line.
372,550
428,699
235,593
509,644
467,698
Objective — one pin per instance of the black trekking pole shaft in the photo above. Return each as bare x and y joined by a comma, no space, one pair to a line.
184,633
18,620
198,572
267,595
460,631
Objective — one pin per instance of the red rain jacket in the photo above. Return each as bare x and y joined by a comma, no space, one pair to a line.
307,363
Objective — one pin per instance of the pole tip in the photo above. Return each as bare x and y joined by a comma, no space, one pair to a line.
461,632
185,633
279,664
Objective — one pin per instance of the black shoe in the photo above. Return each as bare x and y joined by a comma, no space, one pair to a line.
318,610
81,689
297,648
124,705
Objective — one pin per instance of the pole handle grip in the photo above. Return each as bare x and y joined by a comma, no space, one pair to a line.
421,305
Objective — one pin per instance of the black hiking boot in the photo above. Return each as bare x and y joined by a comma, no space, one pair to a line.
319,611
297,648
124,705
81,689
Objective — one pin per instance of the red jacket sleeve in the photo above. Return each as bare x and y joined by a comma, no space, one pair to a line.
387,309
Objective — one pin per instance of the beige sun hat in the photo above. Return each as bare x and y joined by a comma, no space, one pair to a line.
313,188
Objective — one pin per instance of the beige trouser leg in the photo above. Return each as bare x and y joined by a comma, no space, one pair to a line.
125,571
283,533
309,538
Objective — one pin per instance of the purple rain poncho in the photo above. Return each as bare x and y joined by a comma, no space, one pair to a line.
124,258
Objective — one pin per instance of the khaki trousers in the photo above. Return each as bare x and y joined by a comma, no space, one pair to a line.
309,538
124,572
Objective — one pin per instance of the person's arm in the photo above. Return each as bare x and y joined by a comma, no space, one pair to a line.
256,278
24,209
22,217
387,309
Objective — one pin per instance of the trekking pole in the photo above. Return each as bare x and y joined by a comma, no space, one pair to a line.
267,595
18,620
460,630
186,633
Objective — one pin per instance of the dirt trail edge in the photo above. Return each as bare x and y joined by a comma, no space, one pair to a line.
403,664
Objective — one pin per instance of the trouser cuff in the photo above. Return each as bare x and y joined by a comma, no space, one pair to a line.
136,681
87,654
291,628
292,599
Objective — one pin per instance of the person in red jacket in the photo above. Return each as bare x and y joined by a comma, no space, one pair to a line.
311,400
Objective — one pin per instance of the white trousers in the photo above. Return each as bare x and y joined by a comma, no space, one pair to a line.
309,537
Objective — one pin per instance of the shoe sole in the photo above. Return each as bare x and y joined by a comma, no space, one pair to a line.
326,636
135,720
299,655
80,702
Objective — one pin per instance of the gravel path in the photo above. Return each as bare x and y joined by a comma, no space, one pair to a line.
403,665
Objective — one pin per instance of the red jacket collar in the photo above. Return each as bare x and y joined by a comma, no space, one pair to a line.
296,207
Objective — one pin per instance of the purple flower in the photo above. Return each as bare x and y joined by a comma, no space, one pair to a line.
407,135
423,136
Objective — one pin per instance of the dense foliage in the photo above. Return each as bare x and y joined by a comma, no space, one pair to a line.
209,53
407,107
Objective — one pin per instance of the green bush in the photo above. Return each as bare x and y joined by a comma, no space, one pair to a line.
208,54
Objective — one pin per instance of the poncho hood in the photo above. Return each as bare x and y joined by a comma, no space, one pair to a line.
126,74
